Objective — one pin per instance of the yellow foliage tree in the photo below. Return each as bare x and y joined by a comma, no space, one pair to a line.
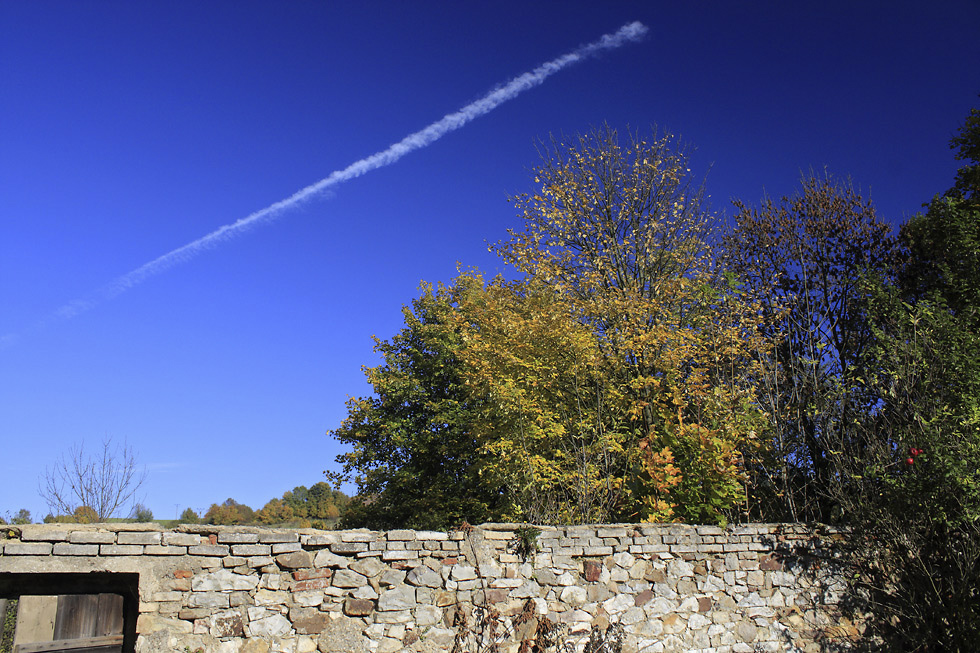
621,235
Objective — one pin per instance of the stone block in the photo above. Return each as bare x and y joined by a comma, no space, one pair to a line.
278,537
312,584
224,580
42,533
208,550
369,567
394,617
139,538
66,549
15,548
227,624
326,558
424,577
308,598
311,625
398,598
294,560
120,549
400,555
269,627
161,550
251,549
208,600
402,535
347,578
238,538
181,539
286,547
308,574
92,537
348,548
358,607
360,535
432,535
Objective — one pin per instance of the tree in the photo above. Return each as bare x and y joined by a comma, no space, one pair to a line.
416,462
615,381
547,425
275,512
189,516
804,259
911,492
229,513
105,482
623,235
141,514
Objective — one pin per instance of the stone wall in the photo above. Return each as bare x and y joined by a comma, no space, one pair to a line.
762,587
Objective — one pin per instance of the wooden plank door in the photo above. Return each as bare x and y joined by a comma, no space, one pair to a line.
85,623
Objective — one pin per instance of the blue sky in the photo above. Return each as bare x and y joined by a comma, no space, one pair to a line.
130,129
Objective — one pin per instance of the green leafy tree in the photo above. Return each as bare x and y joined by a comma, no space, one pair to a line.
414,454
911,490
141,514
189,516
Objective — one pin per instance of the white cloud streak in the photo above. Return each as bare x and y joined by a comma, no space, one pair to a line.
628,33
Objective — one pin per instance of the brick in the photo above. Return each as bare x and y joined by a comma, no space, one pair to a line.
307,574
183,573
312,584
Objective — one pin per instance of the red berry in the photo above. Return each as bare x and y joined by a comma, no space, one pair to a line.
909,461
913,451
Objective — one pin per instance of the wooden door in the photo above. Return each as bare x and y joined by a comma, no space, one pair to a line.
84,623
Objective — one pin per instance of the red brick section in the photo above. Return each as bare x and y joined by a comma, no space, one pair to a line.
307,574
314,584
213,538
592,570
770,563
183,573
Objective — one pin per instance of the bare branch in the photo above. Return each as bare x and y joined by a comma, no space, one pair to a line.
105,482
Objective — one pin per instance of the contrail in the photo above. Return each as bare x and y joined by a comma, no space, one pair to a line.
630,32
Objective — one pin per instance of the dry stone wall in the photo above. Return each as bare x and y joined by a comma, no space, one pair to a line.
763,587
